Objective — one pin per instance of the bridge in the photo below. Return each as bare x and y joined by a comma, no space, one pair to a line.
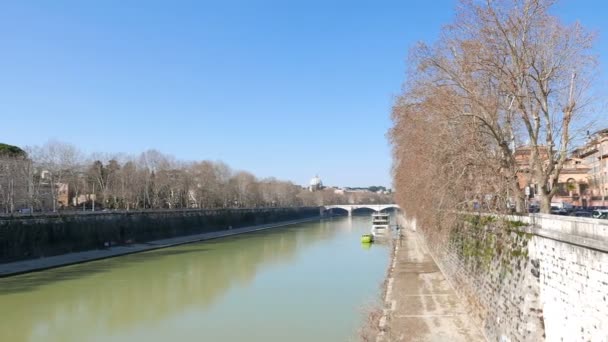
352,207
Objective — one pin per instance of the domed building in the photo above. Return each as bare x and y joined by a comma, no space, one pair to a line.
315,184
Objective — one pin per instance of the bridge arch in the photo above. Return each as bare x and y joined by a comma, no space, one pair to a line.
376,207
352,207
338,209
363,210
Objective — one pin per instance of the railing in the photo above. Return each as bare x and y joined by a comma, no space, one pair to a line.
589,228
581,231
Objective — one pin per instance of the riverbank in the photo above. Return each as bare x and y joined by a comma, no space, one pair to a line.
42,236
420,304
33,265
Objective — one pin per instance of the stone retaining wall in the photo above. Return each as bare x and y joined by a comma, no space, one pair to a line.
548,282
39,236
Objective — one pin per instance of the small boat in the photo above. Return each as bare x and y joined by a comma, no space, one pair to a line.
367,238
380,223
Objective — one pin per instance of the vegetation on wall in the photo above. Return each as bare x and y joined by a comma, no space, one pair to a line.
489,243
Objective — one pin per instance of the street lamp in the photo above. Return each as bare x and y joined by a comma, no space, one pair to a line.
601,170
599,178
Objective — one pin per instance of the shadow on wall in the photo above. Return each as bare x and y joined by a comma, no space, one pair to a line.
27,238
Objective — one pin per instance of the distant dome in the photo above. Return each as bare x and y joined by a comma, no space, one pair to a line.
316,181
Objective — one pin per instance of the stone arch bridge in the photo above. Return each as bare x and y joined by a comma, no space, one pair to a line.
352,207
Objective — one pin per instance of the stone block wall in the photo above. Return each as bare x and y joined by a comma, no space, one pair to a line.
549,281
573,292
46,235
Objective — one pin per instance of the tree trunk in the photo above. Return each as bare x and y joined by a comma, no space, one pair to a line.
54,196
545,203
520,205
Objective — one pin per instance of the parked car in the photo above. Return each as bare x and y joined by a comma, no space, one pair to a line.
562,205
599,212
558,211
581,213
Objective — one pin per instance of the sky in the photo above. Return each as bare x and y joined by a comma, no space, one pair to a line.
288,89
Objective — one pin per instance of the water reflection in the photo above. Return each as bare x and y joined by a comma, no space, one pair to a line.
96,299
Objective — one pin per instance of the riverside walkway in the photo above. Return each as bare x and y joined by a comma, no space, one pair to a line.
32,265
421,304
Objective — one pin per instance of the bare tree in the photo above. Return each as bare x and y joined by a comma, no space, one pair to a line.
206,185
243,188
11,183
223,173
515,75
57,162
57,172
129,186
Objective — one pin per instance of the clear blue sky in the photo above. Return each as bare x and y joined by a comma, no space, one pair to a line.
279,88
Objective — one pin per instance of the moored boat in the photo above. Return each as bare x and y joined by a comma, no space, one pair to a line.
367,238
380,223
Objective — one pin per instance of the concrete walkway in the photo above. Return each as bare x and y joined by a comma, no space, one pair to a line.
421,304
19,267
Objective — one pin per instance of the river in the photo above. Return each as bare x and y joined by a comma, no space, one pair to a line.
305,282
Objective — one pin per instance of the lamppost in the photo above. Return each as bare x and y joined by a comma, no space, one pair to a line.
601,170
599,178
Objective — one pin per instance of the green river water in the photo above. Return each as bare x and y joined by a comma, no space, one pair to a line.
305,282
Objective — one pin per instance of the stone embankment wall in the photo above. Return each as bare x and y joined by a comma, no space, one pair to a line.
543,278
47,235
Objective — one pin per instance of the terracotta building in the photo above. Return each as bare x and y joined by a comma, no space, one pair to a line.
593,154
583,180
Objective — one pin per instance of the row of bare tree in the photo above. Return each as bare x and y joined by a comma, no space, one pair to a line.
504,74
58,176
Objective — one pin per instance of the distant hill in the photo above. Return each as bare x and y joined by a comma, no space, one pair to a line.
12,151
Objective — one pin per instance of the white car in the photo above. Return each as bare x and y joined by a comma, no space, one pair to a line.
599,213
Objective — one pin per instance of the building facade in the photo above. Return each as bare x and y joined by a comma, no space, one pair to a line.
583,180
